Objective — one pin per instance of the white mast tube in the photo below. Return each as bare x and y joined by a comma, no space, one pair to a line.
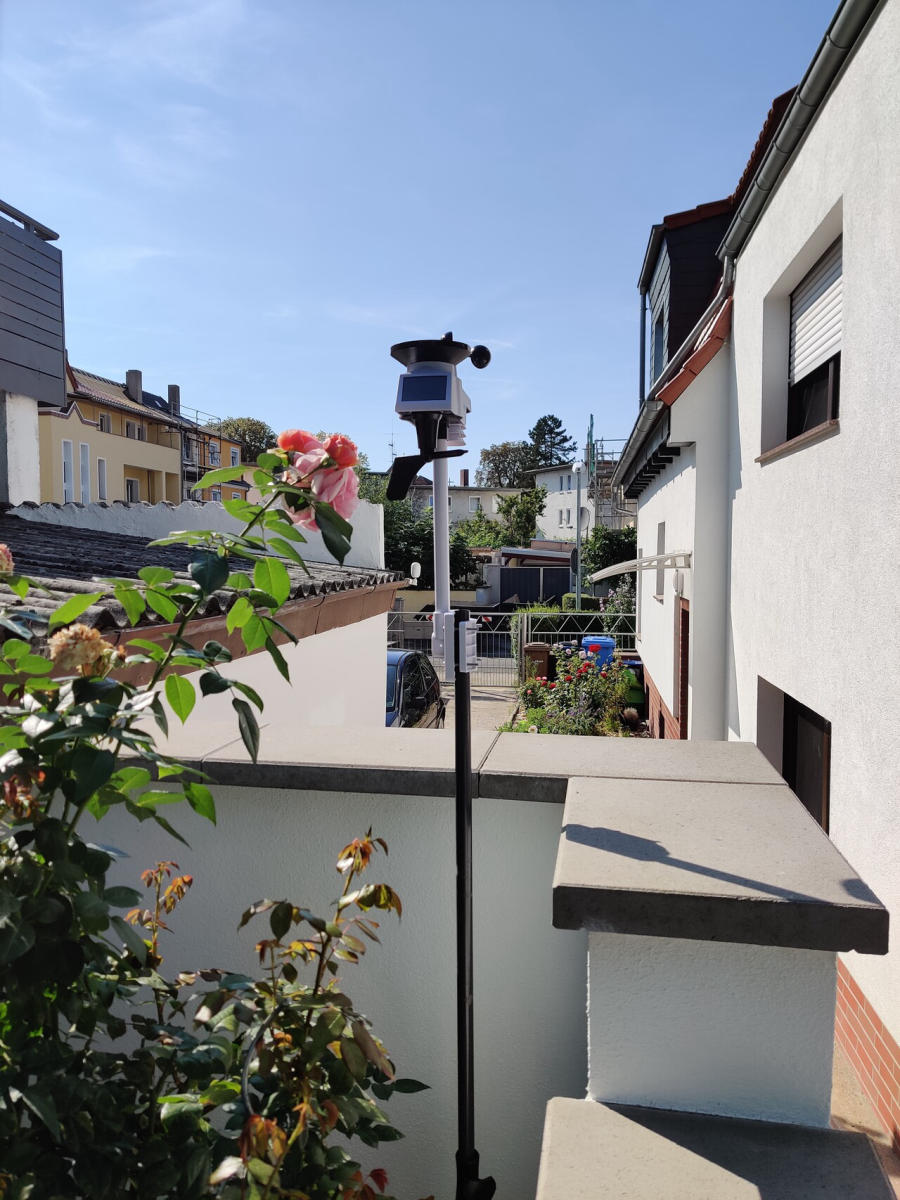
441,517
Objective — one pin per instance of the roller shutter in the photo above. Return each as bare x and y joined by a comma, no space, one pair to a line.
816,315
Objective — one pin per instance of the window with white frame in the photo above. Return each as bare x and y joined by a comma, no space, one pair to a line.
134,431
105,423
560,516
474,504
235,495
815,345
568,516
561,482
101,479
132,490
215,456
68,472
235,456
84,472
568,483
215,493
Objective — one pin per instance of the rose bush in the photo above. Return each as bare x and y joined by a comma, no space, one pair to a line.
116,1081
583,700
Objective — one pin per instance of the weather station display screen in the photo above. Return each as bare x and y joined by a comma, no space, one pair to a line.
427,390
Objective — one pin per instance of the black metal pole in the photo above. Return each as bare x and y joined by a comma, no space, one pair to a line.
468,1185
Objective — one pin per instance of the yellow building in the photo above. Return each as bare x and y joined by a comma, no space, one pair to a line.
114,441
205,449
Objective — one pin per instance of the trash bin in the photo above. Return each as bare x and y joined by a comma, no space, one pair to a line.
537,661
600,647
633,669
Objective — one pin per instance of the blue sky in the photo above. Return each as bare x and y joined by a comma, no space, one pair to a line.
256,198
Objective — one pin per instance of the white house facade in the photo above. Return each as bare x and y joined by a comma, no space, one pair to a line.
766,449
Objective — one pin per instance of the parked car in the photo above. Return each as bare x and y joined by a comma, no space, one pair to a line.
414,697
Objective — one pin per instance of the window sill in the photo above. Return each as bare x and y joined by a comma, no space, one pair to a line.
817,434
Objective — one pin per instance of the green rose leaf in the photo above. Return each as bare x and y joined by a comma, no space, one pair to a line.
155,576
220,475
131,600
335,531
73,608
239,614
210,571
180,695
248,726
270,575
200,798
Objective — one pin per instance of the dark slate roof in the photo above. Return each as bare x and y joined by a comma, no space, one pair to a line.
67,561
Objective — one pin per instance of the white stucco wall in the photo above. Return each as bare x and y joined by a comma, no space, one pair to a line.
816,534
338,680
699,418
669,498
714,1027
159,520
530,1027
21,434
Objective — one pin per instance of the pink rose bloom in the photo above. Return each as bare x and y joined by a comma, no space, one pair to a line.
298,439
337,486
305,462
341,450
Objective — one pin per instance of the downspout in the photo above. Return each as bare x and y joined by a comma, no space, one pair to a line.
642,382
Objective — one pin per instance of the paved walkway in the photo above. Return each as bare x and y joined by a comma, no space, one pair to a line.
491,706
850,1109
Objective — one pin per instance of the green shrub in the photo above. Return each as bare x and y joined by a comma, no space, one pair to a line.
588,603
583,700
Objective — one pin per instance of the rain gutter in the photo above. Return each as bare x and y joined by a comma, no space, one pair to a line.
840,40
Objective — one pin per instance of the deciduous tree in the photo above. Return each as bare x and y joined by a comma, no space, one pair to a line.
505,465
254,435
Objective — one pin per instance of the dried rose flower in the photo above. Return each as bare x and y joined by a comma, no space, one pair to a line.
81,648
7,567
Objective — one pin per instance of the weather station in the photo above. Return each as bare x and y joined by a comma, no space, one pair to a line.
431,397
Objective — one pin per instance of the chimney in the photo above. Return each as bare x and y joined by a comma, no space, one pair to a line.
134,385
174,399
464,478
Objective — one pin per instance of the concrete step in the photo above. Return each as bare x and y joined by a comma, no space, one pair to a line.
595,1151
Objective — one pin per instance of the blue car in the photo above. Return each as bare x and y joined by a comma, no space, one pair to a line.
414,697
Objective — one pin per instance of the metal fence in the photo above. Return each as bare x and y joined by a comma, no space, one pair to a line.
502,637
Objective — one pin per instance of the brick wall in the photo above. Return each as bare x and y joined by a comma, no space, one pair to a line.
872,1051
659,719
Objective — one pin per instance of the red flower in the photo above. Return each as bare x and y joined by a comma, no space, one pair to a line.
299,440
341,449
551,685
603,674
568,679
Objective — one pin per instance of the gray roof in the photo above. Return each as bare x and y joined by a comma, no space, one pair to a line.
68,561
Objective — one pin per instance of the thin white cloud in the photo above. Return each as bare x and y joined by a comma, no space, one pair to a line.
187,41
43,92
186,140
111,260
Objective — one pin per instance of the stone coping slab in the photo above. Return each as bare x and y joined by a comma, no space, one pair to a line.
627,1153
711,861
506,766
403,762
538,766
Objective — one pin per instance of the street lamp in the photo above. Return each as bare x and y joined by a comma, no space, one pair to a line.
578,468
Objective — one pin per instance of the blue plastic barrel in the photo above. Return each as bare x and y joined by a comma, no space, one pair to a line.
600,647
